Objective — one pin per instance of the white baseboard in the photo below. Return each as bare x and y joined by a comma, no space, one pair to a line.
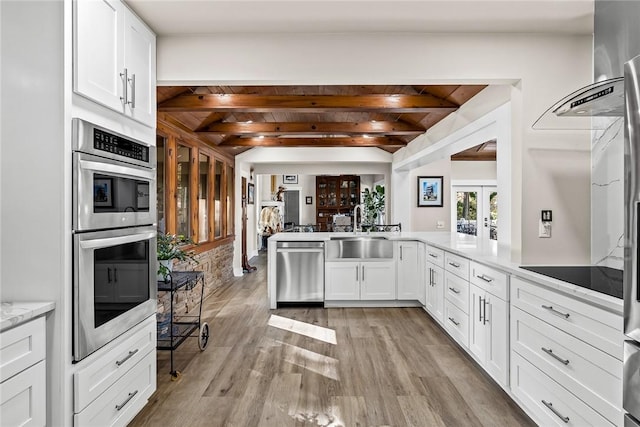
237,271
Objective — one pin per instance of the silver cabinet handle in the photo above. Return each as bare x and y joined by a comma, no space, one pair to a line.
479,308
454,321
133,91
454,264
553,310
357,273
125,89
485,278
454,290
127,357
433,255
484,316
555,411
363,273
129,397
555,356
431,271
400,252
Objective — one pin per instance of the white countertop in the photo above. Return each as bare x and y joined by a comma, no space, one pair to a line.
15,313
489,253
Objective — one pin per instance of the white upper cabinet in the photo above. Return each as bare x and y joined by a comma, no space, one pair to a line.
115,59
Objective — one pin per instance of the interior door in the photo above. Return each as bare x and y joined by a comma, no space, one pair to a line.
291,207
475,211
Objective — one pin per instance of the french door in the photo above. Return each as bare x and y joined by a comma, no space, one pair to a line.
475,210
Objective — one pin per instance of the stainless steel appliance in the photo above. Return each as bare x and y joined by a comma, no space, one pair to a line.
114,286
631,374
114,235
300,267
114,179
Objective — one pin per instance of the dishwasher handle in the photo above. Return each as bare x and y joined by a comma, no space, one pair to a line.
300,245
300,250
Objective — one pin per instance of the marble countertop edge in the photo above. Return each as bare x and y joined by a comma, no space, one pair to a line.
14,313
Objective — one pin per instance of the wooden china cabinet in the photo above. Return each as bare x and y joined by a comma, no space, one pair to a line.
335,195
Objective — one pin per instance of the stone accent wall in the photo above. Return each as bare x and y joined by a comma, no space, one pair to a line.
217,265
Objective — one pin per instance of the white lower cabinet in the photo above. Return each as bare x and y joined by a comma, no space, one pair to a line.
435,291
456,323
488,333
367,280
409,277
114,383
23,376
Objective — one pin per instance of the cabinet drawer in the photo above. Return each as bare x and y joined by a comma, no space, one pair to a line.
456,290
21,347
456,322
457,265
542,396
592,375
600,328
110,365
494,281
24,398
435,256
124,399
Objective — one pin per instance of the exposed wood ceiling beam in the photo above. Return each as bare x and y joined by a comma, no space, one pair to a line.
314,142
308,103
317,128
210,119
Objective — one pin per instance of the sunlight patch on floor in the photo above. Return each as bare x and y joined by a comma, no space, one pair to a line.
311,361
307,329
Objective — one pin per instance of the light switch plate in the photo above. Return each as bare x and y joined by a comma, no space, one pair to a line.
439,224
544,229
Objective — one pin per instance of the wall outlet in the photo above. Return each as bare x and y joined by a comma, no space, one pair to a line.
439,224
544,229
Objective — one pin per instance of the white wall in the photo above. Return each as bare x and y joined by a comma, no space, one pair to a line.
426,218
470,170
538,70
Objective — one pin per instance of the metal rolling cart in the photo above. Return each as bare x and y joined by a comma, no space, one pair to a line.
174,328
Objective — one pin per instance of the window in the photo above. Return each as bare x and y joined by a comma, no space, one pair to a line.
195,189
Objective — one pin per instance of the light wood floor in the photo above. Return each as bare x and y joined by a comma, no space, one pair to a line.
390,366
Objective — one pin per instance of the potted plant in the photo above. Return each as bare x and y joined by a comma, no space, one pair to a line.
170,248
373,202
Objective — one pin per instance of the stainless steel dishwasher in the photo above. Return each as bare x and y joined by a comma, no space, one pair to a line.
300,273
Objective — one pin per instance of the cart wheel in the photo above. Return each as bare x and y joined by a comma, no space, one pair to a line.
176,375
203,337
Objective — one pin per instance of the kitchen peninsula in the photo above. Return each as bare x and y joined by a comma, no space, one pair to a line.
553,346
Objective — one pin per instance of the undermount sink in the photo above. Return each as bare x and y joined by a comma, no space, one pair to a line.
359,247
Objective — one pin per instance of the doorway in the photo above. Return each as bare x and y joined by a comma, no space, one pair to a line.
475,210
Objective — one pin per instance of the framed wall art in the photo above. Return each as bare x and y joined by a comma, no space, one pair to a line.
289,179
430,191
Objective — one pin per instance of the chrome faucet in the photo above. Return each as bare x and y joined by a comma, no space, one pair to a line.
355,218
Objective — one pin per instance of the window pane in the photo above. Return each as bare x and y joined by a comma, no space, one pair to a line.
230,178
162,227
182,192
217,189
493,215
467,208
203,199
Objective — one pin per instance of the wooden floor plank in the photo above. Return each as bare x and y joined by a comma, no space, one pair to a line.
387,367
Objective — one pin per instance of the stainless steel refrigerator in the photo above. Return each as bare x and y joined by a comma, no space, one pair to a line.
631,375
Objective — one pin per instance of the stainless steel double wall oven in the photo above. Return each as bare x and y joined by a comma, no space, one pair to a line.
114,235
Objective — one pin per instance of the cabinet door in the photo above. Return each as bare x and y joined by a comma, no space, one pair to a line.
23,398
408,271
378,281
342,281
98,50
497,348
477,324
140,61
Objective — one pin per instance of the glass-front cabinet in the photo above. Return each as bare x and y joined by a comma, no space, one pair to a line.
336,195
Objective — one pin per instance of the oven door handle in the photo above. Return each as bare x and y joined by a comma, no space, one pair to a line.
126,171
113,241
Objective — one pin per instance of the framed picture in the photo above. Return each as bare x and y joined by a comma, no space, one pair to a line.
309,200
430,191
103,192
142,192
250,191
289,179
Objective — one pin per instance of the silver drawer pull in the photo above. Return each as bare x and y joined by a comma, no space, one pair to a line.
454,321
553,310
454,290
433,255
127,357
555,356
555,411
485,278
454,264
120,406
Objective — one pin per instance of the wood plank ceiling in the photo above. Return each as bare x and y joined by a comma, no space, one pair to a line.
237,118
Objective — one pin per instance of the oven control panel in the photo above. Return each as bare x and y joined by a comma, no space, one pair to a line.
110,143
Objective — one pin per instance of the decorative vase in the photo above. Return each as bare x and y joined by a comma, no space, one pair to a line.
168,264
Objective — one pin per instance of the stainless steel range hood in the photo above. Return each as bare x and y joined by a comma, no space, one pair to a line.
582,108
